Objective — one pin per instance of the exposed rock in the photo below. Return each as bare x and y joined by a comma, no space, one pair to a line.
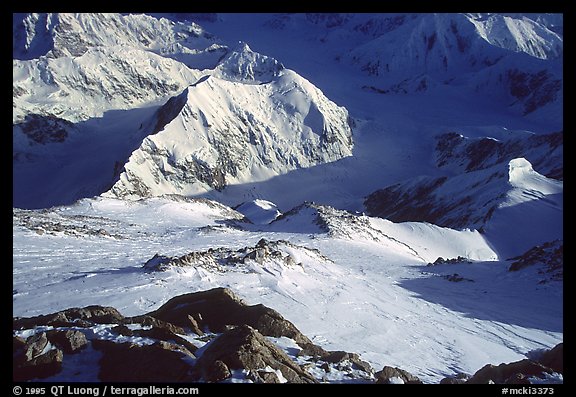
222,259
459,378
505,372
554,358
450,261
149,321
216,371
263,377
75,317
456,278
549,255
459,153
41,366
388,373
340,356
219,307
69,341
158,333
517,379
35,345
245,348
128,362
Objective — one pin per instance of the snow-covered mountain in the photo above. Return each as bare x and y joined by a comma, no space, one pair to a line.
492,200
515,59
245,119
250,121
391,184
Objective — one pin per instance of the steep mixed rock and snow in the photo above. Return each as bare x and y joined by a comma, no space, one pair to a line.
246,118
236,128
491,199
458,153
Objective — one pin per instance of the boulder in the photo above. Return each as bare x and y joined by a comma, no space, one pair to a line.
41,366
387,375
554,358
128,362
35,345
246,348
75,317
217,308
69,341
336,357
160,333
459,378
216,371
502,373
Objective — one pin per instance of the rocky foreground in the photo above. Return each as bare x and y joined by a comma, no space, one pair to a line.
213,336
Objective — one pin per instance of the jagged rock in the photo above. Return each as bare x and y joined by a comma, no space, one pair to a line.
159,333
550,255
219,307
336,357
128,362
263,377
245,348
69,341
385,376
35,345
217,371
517,379
554,358
442,261
503,372
41,366
222,258
75,317
459,378
456,278
149,321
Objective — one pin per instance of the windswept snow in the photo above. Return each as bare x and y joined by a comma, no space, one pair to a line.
376,298
155,156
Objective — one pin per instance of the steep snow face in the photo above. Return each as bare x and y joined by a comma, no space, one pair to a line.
246,66
76,66
101,79
493,55
494,200
259,211
228,132
71,35
519,34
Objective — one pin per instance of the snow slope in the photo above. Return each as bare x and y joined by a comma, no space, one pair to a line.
231,132
388,307
491,199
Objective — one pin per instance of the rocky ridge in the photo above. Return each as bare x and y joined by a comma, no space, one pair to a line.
211,336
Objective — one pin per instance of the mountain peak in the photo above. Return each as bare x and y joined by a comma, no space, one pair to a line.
246,66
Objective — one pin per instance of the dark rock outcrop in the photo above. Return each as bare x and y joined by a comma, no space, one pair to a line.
245,348
549,255
554,358
128,362
458,379
75,317
69,341
31,361
218,308
505,373
388,373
